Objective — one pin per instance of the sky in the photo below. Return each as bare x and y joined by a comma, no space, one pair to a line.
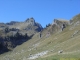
43,11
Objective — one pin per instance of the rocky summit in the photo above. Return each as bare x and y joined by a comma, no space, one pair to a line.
15,33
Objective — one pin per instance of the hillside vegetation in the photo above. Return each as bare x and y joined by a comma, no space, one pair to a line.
56,42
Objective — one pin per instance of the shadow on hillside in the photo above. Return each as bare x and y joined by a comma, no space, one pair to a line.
3,48
8,44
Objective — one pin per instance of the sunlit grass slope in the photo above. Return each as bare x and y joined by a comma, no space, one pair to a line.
68,41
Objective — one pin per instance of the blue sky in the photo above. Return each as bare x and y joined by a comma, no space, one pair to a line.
43,11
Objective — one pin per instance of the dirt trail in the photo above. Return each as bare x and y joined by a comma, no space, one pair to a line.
56,53
60,53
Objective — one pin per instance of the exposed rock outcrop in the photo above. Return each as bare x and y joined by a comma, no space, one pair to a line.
58,25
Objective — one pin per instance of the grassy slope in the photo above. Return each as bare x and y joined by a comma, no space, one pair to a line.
59,41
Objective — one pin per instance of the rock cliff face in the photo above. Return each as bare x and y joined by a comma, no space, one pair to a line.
58,25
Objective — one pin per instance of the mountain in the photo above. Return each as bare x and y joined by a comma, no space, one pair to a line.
60,40
15,33
29,26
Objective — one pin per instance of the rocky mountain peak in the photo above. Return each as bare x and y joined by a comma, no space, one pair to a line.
30,21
